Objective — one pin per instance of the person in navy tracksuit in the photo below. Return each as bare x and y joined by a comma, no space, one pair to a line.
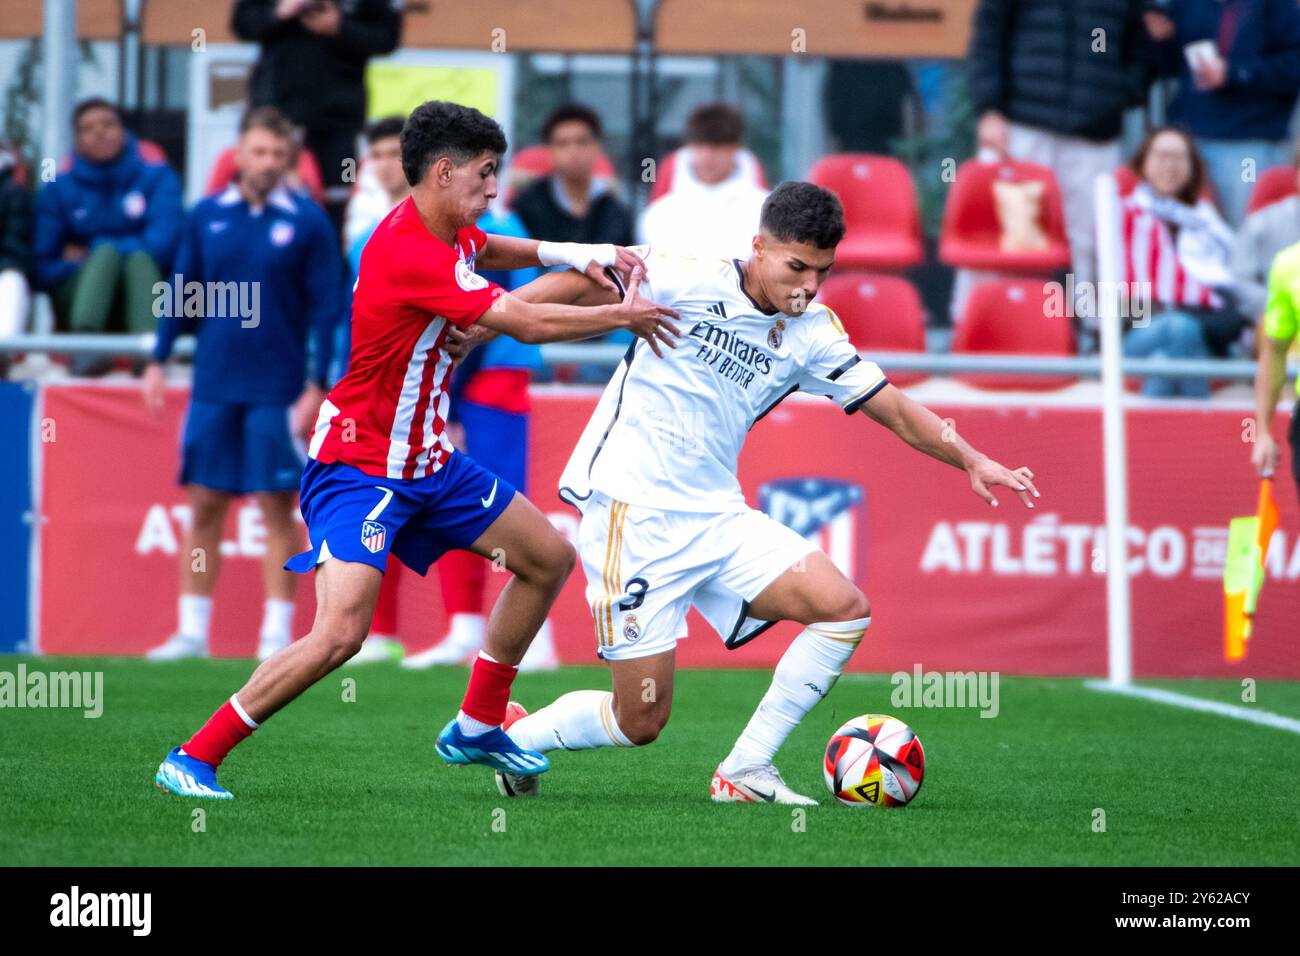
106,228
260,267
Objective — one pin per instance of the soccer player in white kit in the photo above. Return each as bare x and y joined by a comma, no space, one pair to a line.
664,522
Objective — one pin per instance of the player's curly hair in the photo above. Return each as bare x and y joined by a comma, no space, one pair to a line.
438,128
803,212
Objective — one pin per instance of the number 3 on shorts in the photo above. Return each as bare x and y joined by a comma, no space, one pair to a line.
637,588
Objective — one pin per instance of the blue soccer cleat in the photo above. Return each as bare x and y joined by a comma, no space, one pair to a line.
493,749
190,777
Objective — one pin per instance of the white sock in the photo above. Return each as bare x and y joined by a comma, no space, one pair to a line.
580,720
467,631
195,615
805,674
277,619
471,726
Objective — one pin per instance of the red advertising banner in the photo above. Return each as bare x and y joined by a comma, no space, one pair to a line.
953,583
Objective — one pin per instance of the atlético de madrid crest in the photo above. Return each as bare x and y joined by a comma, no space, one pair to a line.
372,536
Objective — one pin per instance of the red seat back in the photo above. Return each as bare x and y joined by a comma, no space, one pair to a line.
1014,316
880,313
880,211
1274,185
971,233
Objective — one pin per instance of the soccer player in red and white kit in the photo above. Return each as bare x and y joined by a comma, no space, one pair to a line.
383,476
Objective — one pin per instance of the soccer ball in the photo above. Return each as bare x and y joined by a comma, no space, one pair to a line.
874,760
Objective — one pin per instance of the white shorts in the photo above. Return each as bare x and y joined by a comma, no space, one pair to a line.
645,569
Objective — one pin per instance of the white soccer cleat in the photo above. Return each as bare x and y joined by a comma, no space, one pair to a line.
179,647
756,785
376,650
448,652
268,646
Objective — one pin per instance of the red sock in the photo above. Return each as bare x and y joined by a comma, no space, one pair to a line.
488,691
463,576
219,735
385,619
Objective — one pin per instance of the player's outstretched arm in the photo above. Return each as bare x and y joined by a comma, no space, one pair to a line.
927,432
591,259
536,322
567,287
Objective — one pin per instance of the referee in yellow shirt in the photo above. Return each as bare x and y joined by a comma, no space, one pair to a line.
1278,330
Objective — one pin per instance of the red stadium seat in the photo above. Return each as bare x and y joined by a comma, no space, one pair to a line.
1011,316
880,313
971,230
884,226
1273,185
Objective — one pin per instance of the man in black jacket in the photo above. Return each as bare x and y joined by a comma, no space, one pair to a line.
1050,81
571,204
312,68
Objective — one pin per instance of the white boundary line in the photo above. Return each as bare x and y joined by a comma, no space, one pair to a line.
1263,717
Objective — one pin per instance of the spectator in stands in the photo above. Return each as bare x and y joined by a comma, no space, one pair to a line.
572,204
1046,92
106,229
713,207
1176,249
268,261
1279,328
1265,233
15,251
312,67
303,176
1238,62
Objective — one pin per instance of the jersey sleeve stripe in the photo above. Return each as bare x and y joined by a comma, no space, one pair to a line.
844,368
858,400
835,320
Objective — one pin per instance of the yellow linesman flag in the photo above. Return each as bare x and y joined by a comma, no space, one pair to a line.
1243,571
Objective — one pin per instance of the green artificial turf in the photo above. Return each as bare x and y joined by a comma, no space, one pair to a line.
330,781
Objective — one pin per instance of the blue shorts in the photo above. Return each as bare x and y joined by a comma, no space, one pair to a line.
240,448
353,516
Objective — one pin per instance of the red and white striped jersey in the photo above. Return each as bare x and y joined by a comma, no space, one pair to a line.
387,416
1151,258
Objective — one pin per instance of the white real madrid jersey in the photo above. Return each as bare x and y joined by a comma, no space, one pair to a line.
667,432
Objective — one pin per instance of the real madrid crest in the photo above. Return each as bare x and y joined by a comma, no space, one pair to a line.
776,333
630,629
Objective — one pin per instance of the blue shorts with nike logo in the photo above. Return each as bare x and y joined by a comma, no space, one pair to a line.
353,516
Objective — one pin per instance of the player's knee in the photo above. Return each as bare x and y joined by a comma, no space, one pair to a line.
341,635
207,508
643,730
551,562
641,725
850,604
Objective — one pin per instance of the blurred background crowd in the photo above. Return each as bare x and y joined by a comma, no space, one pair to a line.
265,157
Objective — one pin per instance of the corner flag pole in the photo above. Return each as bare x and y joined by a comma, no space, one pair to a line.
1119,628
